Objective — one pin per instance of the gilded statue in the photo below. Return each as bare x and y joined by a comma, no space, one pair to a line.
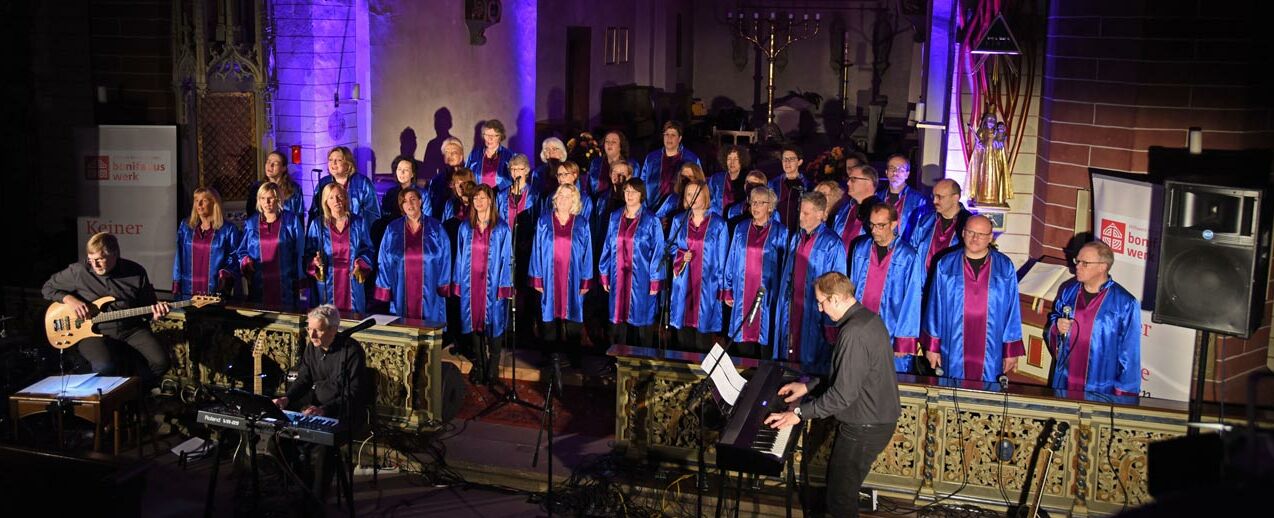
990,182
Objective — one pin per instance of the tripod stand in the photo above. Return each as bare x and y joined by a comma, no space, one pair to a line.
511,395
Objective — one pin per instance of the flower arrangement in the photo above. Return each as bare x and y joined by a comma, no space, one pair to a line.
828,164
583,149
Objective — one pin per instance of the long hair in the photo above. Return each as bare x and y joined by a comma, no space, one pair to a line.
623,143
330,190
286,184
218,217
705,192
493,212
696,175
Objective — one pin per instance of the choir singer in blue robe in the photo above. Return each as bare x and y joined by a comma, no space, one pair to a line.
942,228
660,168
271,252
752,276
490,163
562,271
789,186
1094,330
614,151
804,333
413,273
276,172
360,194
728,186
631,268
339,251
206,245
484,283
973,317
910,203
698,241
888,280
851,220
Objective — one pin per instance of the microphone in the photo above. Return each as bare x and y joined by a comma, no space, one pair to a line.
557,373
756,305
366,323
1003,380
938,371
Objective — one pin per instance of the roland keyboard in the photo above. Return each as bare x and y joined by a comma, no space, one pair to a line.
747,444
315,429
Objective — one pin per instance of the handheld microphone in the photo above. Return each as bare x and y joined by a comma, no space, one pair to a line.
938,371
1003,380
756,305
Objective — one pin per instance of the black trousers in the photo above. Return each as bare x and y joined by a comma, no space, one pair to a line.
855,449
485,353
628,334
563,336
690,339
104,353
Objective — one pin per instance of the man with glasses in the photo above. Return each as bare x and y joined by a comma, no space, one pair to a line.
851,221
909,202
861,394
811,252
973,321
888,279
1094,330
940,229
752,264
789,187
661,167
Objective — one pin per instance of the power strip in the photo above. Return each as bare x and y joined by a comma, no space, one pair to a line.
367,470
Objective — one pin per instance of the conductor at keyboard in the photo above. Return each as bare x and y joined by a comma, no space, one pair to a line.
861,393
328,383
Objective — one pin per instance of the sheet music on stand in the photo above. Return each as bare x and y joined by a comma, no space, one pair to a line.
75,385
725,378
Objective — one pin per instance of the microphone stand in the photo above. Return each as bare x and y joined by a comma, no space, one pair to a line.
554,385
511,334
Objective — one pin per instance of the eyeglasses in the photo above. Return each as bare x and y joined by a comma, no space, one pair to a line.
978,235
760,203
894,169
853,179
881,226
790,159
1087,264
822,301
491,135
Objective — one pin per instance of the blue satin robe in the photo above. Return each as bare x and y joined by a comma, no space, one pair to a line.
652,167
362,198
531,206
318,239
646,275
291,246
221,256
827,255
502,176
718,183
900,301
716,242
914,205
736,273
435,277
585,201
1114,346
541,269
920,235
944,314
499,276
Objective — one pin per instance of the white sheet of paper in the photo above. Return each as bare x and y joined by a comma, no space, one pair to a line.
384,319
75,385
725,378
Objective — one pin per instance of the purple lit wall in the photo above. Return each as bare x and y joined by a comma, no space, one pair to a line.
315,56
429,82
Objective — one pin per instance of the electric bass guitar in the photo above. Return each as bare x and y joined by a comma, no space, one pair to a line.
65,329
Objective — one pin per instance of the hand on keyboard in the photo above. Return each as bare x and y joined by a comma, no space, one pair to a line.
782,420
312,410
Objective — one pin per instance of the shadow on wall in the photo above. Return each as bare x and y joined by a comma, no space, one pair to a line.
367,157
556,105
522,140
432,162
477,136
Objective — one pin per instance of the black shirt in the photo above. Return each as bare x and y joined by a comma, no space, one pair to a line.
977,263
127,282
862,387
326,374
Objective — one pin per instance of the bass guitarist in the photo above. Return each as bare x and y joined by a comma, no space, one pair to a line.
105,273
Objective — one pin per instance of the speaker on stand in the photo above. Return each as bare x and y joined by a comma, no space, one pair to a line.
1214,249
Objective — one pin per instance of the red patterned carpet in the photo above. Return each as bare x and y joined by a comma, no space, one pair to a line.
587,409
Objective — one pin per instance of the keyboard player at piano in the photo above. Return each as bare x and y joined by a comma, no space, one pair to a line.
328,383
861,393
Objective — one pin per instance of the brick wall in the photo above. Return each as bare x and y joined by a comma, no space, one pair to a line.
131,53
315,52
1123,76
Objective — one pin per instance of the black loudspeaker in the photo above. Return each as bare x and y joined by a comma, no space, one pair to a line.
1213,258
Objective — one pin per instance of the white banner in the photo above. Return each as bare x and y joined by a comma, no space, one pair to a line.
128,187
1126,216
